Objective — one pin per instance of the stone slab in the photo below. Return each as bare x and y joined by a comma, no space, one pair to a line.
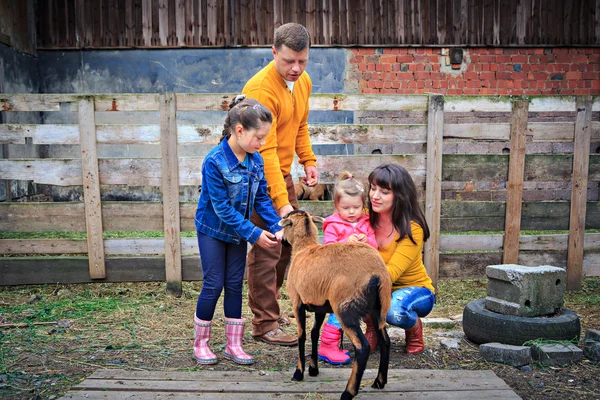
516,356
591,345
556,353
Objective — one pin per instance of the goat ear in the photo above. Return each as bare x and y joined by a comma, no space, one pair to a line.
284,222
316,219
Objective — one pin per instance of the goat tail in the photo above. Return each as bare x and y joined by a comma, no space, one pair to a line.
385,297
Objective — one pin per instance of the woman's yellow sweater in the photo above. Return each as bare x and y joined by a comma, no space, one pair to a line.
289,132
404,260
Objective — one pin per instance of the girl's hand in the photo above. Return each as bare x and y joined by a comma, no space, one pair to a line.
279,235
267,240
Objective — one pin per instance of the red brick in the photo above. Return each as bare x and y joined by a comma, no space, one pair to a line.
471,91
493,67
404,59
422,75
573,75
487,75
504,59
405,75
388,91
538,51
455,91
362,67
471,75
540,76
488,59
519,59
455,66
387,59
370,91
564,59
503,75
580,59
560,50
419,67
371,67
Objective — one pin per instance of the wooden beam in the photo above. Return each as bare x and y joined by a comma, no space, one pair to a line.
91,188
170,192
433,184
516,174
581,159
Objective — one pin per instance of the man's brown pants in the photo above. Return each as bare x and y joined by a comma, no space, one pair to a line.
266,270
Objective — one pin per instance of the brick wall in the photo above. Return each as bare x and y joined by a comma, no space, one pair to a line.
483,71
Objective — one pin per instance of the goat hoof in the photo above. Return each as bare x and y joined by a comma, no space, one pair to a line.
346,395
378,384
298,376
312,371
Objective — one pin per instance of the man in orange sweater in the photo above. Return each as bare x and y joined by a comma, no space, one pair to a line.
283,87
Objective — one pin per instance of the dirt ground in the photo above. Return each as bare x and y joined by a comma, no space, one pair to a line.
69,331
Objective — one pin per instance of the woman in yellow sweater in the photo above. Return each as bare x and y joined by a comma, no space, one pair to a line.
400,230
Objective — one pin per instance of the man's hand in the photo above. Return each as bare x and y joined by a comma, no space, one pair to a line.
312,176
285,210
266,240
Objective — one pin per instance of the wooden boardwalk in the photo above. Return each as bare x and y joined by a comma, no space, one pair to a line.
406,384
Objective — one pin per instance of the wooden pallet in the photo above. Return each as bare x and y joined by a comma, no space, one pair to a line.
407,384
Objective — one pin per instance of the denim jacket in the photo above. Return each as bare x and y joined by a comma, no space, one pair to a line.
224,201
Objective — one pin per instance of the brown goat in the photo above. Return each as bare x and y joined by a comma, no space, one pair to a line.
348,279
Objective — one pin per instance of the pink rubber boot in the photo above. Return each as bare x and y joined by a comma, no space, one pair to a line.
202,352
329,348
234,330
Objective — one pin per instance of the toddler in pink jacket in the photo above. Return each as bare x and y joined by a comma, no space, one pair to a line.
349,223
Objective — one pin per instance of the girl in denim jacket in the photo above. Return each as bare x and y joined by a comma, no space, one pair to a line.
233,184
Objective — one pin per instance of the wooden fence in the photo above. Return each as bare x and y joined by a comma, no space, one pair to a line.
79,24
415,131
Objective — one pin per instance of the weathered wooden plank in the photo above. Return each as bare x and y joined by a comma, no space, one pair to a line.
432,382
552,103
52,102
41,270
112,247
382,395
91,188
516,170
325,374
477,103
209,134
433,184
456,216
579,192
170,192
147,23
494,167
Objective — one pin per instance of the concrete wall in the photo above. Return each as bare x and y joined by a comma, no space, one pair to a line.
176,70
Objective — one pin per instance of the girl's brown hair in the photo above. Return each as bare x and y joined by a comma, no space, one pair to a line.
247,112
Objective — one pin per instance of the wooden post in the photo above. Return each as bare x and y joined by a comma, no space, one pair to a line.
170,192
4,148
433,185
581,160
91,187
516,175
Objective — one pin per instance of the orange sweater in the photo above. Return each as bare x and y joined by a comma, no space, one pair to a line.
404,261
289,133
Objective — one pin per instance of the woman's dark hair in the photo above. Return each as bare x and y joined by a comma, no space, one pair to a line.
247,112
405,207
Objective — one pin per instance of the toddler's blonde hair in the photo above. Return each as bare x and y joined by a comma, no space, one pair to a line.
348,185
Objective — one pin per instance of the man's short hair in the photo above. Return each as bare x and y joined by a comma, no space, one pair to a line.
293,36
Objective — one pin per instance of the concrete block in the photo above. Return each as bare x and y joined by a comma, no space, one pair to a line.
591,345
556,354
506,354
525,291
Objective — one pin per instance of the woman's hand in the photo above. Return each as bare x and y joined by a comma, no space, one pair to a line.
267,240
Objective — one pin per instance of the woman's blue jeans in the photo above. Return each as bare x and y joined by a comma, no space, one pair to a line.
223,266
407,304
